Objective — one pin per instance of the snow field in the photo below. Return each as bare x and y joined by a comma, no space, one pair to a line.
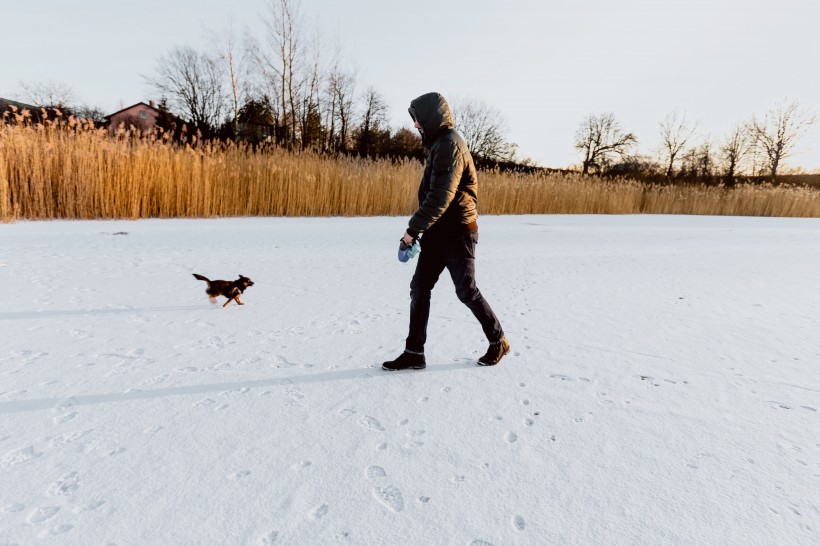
664,385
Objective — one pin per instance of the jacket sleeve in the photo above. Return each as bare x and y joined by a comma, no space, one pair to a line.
446,171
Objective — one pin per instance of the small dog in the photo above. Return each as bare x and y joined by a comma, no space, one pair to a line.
230,289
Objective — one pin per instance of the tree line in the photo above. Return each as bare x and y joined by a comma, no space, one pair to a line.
287,87
755,147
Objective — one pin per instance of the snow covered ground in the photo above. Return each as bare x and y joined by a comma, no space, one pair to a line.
664,385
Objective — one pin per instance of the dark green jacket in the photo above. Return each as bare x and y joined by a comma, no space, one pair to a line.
449,186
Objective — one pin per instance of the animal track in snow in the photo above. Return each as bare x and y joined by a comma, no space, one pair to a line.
511,437
344,413
239,475
373,472
204,402
390,497
479,542
14,507
269,539
519,523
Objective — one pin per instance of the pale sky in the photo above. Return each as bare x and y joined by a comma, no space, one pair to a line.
545,64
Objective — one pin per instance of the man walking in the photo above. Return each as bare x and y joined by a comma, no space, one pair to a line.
446,226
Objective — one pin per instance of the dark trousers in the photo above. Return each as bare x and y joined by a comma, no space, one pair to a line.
458,256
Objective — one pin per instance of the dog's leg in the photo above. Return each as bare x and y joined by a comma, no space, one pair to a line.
213,299
237,300
227,302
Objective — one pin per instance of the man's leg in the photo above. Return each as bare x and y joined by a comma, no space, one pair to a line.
428,269
461,264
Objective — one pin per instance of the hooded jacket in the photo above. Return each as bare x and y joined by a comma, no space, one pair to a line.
449,186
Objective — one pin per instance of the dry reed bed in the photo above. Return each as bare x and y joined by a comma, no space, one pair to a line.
67,170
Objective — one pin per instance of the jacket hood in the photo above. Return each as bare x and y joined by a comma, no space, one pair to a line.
433,114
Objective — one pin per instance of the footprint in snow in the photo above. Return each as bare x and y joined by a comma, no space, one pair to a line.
189,369
204,402
89,507
66,417
370,423
297,397
511,437
66,485
269,539
69,437
15,394
19,456
57,530
154,380
239,475
479,542
42,514
373,472
519,523
390,497
234,393
14,507
320,511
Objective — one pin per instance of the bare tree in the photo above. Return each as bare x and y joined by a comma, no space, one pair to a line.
226,48
193,83
675,133
280,62
49,94
484,129
373,116
311,108
735,148
341,90
779,130
600,138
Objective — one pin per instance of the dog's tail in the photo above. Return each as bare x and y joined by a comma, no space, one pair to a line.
201,278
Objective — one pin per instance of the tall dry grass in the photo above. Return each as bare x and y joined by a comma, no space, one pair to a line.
70,170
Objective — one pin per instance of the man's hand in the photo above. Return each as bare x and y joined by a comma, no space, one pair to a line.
408,239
